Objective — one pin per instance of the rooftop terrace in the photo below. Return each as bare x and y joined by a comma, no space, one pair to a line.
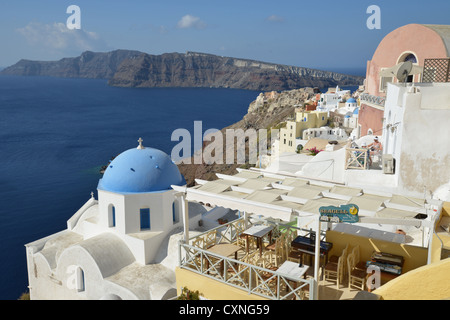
279,266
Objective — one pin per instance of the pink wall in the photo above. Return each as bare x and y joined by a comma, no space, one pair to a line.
370,118
420,40
415,38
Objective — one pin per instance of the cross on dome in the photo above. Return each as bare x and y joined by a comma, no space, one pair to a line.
140,144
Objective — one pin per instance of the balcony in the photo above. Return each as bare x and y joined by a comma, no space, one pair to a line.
258,273
371,99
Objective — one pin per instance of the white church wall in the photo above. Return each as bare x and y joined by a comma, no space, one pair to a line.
107,199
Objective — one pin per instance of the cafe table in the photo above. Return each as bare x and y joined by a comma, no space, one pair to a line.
224,250
292,271
258,232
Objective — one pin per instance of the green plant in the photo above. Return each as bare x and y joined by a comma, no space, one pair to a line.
187,294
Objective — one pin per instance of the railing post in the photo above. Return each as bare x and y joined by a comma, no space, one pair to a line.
313,293
180,244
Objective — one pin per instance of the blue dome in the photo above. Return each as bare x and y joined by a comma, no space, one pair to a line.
351,100
356,111
141,170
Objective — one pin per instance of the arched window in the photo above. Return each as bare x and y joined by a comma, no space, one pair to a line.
76,279
80,280
112,216
409,57
175,217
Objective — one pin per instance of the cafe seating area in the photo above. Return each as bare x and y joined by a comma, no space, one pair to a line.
275,261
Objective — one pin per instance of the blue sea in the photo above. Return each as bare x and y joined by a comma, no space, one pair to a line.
55,134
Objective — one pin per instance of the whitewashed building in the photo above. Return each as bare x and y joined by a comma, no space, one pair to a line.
116,247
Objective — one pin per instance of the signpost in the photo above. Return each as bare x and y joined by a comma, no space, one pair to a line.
344,213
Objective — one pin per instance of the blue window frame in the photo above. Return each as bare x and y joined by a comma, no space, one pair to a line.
174,213
113,213
145,219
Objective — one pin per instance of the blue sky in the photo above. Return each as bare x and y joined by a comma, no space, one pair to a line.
328,35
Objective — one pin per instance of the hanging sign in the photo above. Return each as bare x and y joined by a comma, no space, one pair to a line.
344,213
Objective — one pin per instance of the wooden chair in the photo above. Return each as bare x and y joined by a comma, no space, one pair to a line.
277,251
358,264
199,242
335,271
356,277
210,239
239,228
290,235
266,276
335,258
292,254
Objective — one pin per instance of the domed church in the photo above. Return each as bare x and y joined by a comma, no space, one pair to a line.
116,247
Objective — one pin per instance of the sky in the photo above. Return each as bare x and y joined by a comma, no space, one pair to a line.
327,35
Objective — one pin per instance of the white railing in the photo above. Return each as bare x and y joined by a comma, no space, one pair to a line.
248,277
356,159
379,101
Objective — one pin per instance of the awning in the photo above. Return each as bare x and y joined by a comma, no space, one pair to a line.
282,197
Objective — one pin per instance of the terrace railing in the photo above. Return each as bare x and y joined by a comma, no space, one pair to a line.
356,159
368,98
251,278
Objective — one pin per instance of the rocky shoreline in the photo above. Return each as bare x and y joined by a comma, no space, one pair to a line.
268,110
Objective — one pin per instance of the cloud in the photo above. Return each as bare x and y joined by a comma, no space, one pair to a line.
57,37
188,22
275,18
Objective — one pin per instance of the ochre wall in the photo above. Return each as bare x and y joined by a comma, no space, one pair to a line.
210,289
443,236
414,257
431,282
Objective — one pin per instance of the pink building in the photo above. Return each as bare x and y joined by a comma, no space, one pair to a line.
413,42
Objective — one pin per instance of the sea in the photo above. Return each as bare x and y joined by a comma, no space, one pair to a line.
56,134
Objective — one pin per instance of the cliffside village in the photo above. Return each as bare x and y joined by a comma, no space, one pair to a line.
352,203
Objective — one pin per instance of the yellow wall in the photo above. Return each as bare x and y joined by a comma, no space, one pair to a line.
443,236
415,257
209,288
313,120
431,282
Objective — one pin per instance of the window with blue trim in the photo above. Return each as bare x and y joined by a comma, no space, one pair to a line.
174,213
145,219
113,216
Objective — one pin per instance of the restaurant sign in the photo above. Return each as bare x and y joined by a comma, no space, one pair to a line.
344,213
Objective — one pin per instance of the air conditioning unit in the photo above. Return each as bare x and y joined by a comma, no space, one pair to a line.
388,164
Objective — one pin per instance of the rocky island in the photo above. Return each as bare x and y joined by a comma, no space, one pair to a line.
127,68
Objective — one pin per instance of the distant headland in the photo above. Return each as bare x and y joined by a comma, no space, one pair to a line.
129,68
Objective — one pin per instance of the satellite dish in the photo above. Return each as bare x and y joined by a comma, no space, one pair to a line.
403,71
